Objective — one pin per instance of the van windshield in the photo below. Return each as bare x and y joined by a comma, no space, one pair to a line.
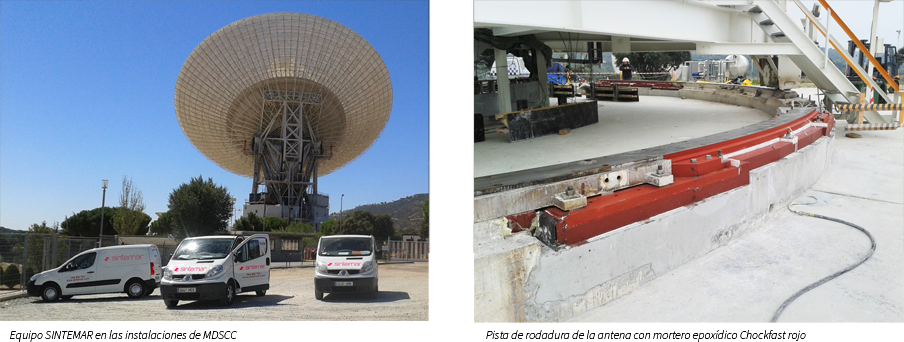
346,246
203,249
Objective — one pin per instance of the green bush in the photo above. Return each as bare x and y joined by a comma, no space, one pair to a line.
29,272
10,277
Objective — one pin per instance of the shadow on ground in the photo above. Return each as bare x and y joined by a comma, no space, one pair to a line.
382,297
240,301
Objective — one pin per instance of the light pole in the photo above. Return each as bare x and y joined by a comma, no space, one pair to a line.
100,234
233,212
340,212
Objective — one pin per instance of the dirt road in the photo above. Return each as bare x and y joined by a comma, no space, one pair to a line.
403,297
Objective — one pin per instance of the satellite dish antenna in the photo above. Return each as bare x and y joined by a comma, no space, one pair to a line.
284,98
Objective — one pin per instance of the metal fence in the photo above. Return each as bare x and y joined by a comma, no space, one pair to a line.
23,255
407,250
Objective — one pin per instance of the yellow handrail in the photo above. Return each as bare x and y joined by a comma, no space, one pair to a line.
849,62
859,45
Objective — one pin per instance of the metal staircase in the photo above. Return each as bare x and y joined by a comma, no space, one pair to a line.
779,26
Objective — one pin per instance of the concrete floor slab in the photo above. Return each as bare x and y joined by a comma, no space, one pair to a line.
654,121
750,277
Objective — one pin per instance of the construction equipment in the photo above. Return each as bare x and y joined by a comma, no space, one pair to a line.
613,92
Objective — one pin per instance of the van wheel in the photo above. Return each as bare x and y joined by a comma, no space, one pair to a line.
66,297
50,293
170,303
260,293
135,289
230,294
318,295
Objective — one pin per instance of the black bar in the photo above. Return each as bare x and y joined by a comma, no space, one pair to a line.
662,335
105,335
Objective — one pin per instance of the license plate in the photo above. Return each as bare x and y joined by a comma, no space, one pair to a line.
343,283
186,290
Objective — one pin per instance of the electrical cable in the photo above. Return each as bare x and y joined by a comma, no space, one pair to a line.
836,274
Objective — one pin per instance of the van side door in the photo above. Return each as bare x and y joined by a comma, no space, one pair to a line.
78,276
156,267
116,266
252,262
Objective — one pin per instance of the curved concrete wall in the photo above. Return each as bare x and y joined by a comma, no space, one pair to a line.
519,279
770,101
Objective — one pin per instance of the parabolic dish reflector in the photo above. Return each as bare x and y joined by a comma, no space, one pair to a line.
222,87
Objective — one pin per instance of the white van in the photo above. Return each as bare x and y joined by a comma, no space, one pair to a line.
346,263
217,268
133,269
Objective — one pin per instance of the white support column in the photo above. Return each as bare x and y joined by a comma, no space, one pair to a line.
895,114
621,44
825,63
541,74
872,41
504,96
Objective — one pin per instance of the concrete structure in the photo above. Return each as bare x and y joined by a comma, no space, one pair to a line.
571,264
519,278
487,103
753,274
540,284
659,115
780,45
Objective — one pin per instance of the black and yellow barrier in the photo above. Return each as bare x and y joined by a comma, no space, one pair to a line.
862,107
872,127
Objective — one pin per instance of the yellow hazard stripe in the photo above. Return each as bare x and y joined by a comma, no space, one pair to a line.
872,127
860,107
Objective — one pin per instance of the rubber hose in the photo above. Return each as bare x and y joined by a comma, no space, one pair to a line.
836,274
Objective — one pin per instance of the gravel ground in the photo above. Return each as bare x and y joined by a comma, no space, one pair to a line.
403,297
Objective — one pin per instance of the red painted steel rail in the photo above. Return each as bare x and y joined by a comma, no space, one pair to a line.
694,181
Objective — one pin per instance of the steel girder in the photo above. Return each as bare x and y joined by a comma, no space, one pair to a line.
287,151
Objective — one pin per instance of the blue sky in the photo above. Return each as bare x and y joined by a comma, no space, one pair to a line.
86,93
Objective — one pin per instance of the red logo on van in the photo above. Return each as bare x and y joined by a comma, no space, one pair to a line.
125,257
190,269
345,264
252,267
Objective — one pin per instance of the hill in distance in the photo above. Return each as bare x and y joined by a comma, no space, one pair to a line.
405,212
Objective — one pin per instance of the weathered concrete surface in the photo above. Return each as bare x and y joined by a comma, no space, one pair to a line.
766,100
753,275
654,121
486,103
524,199
567,283
643,91
668,240
504,264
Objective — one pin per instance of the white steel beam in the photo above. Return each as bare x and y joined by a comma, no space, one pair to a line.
671,20
581,46
514,31
747,49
